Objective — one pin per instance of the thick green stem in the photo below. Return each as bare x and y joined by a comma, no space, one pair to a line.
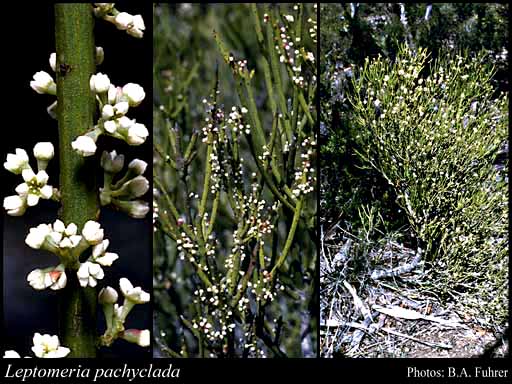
75,65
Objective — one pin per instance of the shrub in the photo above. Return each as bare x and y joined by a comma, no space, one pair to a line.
436,139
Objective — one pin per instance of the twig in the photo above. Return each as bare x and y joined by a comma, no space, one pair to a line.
428,343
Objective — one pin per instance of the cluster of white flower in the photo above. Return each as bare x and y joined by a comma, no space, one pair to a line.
305,176
52,277
113,103
45,346
115,315
291,53
132,24
68,246
35,185
123,193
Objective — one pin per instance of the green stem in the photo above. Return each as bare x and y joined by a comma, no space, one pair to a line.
291,235
75,50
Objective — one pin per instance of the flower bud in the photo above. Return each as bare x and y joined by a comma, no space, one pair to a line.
11,355
44,151
99,83
15,205
136,336
53,61
137,166
108,295
43,83
84,145
107,112
137,209
52,110
135,187
137,134
114,94
110,126
125,122
121,108
112,162
100,55
134,94
92,232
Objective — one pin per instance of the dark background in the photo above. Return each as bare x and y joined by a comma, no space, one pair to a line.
127,59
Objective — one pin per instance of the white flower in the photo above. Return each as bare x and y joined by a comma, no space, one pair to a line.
64,237
44,151
137,336
101,256
15,205
137,28
289,18
133,294
37,236
107,112
134,93
99,83
43,83
47,346
84,145
11,355
35,186
110,126
125,122
100,55
114,94
137,134
16,162
123,21
137,166
121,108
52,277
93,232
107,295
53,61
89,273
59,226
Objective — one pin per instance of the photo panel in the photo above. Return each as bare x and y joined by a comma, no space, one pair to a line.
414,180
76,181
235,180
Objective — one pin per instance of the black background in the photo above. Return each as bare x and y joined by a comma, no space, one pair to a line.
127,59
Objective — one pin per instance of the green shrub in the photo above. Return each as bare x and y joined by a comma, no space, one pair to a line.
435,139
